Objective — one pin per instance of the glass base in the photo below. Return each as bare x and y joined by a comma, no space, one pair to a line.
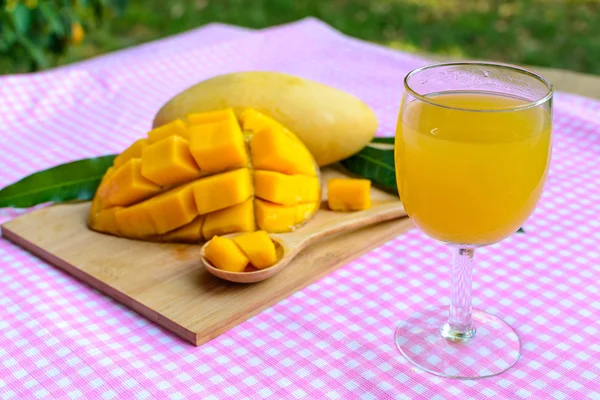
494,348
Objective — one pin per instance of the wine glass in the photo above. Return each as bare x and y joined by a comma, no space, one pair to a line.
472,152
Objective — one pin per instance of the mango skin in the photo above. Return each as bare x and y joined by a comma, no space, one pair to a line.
333,124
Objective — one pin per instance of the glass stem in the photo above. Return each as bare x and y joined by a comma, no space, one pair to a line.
459,327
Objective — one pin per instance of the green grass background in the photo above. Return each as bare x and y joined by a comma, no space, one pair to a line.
552,33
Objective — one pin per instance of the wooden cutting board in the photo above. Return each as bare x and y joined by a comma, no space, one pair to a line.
166,283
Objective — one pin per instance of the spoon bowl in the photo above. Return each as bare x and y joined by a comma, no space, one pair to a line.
283,259
288,245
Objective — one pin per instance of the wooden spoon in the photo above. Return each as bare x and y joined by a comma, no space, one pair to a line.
288,245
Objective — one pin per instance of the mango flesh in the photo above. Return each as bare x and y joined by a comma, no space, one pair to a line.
189,233
238,218
333,124
218,146
172,209
188,183
258,247
106,220
287,190
277,218
210,117
100,201
169,162
223,190
273,149
135,221
255,121
224,254
348,194
174,128
134,151
127,185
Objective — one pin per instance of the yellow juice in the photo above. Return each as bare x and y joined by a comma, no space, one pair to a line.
471,177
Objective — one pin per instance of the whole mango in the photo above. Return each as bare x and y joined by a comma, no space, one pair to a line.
333,124
211,174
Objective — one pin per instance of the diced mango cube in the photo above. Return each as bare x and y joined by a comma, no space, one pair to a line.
345,194
210,116
305,211
259,248
218,146
105,220
173,128
109,172
286,190
135,221
133,151
102,192
275,149
255,121
169,162
224,254
238,218
221,191
127,185
172,209
273,217
189,233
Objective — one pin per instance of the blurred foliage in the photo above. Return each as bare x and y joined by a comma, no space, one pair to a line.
33,33
554,33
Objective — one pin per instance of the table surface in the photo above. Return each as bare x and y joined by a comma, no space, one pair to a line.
61,339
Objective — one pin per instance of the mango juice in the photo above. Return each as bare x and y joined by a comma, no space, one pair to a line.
469,166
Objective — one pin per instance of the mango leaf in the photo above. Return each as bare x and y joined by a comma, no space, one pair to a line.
375,162
76,180
388,140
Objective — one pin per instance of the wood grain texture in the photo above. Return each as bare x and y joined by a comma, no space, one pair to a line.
288,245
166,283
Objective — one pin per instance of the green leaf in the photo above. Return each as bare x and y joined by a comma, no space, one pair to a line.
98,11
388,140
76,180
7,39
521,230
56,44
119,6
52,15
35,52
375,162
21,18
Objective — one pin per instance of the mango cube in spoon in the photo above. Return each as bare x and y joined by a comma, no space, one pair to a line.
346,194
224,254
259,248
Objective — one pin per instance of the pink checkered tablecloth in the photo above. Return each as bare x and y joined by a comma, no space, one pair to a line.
334,339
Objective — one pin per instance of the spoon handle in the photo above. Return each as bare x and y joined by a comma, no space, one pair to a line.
310,234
